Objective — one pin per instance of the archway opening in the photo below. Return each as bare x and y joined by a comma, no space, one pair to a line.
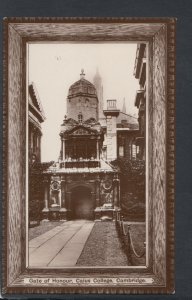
82,204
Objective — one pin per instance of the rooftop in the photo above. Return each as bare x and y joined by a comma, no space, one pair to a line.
82,86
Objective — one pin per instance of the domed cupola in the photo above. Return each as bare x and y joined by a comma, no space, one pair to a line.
82,99
82,87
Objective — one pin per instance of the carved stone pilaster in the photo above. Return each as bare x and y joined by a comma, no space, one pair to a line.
97,191
68,205
45,211
63,210
63,148
116,192
98,150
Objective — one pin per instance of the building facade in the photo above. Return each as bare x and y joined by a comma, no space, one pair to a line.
140,99
36,118
127,131
83,184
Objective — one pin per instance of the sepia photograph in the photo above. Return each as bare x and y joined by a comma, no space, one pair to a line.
89,155
86,141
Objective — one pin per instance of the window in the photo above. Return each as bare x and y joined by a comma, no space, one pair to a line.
121,151
134,151
80,117
137,149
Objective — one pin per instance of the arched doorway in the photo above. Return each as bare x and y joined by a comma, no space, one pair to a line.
82,204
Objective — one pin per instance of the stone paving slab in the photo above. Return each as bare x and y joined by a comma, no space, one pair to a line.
69,255
43,254
81,236
36,242
61,245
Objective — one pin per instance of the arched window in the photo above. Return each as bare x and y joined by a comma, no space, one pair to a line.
137,149
134,151
121,151
80,117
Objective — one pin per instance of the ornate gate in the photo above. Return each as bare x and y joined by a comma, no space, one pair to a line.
82,204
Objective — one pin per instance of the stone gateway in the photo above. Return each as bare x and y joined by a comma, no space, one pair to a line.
83,184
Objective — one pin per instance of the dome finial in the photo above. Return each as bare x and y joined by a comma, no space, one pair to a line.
82,75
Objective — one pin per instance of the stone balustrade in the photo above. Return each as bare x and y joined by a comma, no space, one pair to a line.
80,164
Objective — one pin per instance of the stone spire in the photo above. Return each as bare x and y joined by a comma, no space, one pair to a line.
97,81
124,106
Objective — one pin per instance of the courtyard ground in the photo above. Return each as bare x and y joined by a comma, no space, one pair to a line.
60,246
103,247
81,243
42,228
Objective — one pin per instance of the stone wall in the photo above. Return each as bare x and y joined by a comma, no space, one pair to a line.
111,138
88,106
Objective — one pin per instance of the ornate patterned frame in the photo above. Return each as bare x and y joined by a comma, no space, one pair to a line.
159,34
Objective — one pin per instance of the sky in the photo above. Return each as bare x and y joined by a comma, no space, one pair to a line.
54,67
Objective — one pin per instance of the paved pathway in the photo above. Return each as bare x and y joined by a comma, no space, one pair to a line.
60,246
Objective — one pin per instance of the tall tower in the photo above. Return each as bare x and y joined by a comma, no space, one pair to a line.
82,100
124,106
97,81
111,137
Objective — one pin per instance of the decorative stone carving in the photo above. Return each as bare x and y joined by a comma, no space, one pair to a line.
80,132
106,190
63,210
55,186
107,185
97,190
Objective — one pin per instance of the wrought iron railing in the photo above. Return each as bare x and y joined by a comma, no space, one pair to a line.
124,232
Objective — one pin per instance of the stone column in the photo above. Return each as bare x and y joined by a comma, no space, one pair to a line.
40,147
63,149
68,198
116,197
97,210
111,136
98,156
63,210
97,189
45,211
59,196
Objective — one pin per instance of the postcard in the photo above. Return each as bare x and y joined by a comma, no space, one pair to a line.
89,155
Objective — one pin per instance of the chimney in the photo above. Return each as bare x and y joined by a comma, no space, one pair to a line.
111,104
111,114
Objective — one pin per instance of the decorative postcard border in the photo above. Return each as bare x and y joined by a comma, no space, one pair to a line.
160,36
